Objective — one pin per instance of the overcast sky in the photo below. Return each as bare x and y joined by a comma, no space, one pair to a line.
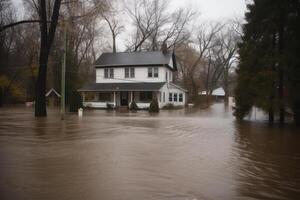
210,10
215,9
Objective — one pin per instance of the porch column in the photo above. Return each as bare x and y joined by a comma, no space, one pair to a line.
115,98
130,96
83,96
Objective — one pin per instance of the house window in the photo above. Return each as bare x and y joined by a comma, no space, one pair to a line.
164,97
108,73
132,72
153,72
170,97
129,72
149,72
170,76
156,72
180,97
111,73
166,76
126,72
175,97
104,96
146,96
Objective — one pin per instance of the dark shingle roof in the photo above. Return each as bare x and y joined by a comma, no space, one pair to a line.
121,87
148,58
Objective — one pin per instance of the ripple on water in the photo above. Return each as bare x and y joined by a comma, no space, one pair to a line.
180,154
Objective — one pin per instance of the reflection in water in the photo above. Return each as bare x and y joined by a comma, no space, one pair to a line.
179,154
268,161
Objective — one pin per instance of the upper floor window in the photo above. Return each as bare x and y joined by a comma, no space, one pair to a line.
153,72
108,73
129,72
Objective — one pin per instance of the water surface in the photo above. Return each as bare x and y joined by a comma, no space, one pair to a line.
187,154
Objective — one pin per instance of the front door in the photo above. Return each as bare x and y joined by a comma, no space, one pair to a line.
124,98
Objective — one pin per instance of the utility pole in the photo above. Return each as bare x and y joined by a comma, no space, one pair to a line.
63,75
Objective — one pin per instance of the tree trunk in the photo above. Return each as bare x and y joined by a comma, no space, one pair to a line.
297,113
40,98
47,37
271,116
207,84
281,74
226,85
272,95
114,44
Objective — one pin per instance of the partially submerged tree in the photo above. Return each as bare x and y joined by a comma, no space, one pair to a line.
268,61
46,41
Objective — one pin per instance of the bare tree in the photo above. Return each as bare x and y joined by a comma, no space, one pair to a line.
112,18
205,42
155,25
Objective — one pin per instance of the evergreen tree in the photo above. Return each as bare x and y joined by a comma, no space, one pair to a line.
267,49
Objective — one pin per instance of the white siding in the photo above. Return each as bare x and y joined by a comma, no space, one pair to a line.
141,75
167,89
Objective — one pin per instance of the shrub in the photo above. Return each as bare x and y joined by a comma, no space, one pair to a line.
109,106
133,106
154,107
75,102
169,106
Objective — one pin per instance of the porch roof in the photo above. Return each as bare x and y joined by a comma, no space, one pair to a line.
93,87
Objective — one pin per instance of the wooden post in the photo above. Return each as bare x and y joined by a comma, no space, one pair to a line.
63,75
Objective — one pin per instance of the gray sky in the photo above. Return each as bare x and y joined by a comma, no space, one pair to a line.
215,9
210,10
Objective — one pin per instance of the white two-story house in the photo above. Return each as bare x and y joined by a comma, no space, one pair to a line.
122,78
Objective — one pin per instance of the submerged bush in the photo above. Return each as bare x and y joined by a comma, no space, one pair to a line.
109,105
169,106
154,107
133,106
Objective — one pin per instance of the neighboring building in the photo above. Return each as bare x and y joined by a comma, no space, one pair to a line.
53,97
134,76
218,93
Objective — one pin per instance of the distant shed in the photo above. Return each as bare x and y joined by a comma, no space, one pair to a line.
53,97
218,93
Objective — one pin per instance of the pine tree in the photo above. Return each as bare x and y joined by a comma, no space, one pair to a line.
268,61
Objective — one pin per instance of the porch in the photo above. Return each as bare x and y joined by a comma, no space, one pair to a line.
113,95
114,99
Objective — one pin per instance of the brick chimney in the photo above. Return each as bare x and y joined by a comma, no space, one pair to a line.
164,48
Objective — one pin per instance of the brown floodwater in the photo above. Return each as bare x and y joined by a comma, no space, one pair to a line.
188,154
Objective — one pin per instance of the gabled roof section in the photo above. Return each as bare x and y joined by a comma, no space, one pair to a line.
52,90
148,58
217,92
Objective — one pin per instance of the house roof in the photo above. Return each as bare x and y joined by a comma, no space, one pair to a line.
92,87
148,58
52,90
178,87
217,92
